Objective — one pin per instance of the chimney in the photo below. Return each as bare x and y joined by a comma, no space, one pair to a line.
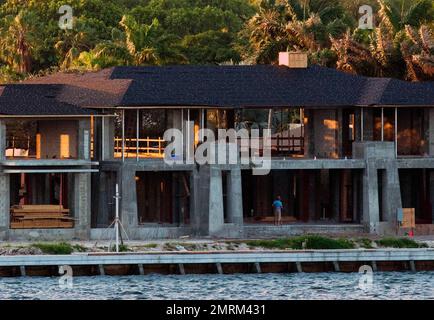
293,59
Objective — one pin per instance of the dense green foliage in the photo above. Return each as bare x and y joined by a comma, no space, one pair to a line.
303,242
320,242
113,32
142,32
59,248
400,243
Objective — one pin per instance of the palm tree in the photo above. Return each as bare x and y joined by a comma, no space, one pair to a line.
384,51
418,53
297,24
139,40
18,40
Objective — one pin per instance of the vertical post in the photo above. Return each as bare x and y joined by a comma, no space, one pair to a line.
382,124
202,122
188,134
361,123
117,216
102,137
396,132
123,135
137,135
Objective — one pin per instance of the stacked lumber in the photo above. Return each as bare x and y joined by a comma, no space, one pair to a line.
40,217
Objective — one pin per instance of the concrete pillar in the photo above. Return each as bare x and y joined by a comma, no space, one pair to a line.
128,193
82,205
371,212
208,217
339,134
234,197
309,135
216,214
83,143
107,137
2,139
379,155
4,205
335,195
391,196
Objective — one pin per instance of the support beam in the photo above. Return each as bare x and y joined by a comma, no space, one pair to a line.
4,205
82,204
129,214
299,267
23,271
181,268
412,266
101,270
374,266
336,266
257,266
141,270
219,268
234,197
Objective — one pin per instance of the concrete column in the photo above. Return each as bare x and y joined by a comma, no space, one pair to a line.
379,155
335,194
4,206
208,216
391,192
309,135
83,143
128,193
216,214
339,134
371,212
234,197
82,205
2,139
107,137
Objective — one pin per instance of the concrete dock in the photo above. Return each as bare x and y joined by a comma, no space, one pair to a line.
223,262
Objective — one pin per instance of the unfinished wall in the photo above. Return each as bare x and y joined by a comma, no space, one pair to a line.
321,133
51,132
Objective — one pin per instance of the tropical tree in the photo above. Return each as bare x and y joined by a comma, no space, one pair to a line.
418,53
296,24
386,50
19,36
139,39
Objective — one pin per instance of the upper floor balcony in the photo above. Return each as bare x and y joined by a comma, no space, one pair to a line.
296,133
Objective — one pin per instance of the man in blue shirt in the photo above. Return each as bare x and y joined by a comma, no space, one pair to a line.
277,209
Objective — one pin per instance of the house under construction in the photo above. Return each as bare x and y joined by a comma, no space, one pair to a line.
348,152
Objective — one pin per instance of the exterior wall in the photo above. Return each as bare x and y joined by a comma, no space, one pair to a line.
51,130
322,132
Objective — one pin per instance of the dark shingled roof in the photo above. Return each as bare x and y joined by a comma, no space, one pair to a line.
89,89
23,99
207,86
264,86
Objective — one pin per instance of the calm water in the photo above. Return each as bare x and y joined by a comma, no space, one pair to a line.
385,285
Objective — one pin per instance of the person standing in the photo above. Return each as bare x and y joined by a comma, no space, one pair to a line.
277,210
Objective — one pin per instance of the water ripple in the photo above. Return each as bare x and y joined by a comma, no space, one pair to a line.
385,285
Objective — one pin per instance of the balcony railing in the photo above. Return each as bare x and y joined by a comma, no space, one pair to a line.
140,148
